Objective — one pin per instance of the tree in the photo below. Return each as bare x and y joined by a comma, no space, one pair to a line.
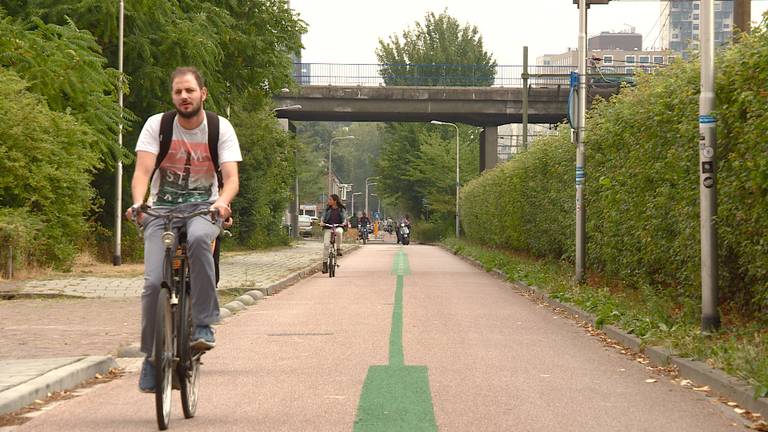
66,50
417,161
440,52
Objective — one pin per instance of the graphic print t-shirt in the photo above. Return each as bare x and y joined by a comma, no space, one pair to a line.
187,173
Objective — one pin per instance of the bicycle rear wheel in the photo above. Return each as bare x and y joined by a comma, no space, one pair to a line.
332,265
163,354
188,368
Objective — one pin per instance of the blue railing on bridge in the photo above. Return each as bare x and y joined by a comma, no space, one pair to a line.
465,75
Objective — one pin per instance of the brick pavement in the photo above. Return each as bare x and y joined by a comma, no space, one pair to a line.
104,313
241,270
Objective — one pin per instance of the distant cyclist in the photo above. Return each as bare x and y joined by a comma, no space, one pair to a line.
364,223
186,172
335,214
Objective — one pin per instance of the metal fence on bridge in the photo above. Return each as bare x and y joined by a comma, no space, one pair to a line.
454,75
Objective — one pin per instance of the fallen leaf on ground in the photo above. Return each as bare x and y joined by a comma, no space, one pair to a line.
650,380
759,426
686,382
739,410
702,389
733,404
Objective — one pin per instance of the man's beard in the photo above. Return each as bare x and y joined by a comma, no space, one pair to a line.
189,114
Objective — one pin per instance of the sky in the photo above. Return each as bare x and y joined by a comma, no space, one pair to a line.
348,31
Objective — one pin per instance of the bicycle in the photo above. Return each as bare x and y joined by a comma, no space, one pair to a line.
332,250
177,364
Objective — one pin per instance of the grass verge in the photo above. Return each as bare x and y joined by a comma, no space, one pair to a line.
657,315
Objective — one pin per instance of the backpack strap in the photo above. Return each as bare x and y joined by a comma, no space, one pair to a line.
213,143
166,135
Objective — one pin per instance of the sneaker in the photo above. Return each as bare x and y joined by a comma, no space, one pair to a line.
147,377
202,338
325,267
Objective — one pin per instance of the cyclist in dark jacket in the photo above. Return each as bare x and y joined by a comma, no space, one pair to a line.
334,214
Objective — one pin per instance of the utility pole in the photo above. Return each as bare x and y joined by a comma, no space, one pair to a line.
525,98
581,126
710,317
581,218
117,259
742,15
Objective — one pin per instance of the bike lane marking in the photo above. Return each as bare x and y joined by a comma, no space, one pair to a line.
396,397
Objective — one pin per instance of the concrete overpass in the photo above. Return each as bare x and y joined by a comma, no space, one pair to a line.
486,107
359,93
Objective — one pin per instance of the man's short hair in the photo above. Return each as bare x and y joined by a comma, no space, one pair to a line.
188,70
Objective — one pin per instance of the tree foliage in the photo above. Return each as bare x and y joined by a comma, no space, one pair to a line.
66,51
439,52
46,161
417,162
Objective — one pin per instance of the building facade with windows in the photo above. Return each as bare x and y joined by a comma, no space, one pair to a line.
613,53
681,18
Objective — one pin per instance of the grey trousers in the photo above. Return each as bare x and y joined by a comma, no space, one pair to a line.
205,305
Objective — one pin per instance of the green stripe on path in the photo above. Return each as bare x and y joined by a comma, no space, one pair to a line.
396,397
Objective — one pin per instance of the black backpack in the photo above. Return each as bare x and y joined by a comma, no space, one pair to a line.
166,135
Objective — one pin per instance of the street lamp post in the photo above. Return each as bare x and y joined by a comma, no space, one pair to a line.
353,201
117,259
295,201
378,204
367,183
330,160
458,181
710,316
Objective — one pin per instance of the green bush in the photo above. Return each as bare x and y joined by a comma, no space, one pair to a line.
46,161
642,185
430,232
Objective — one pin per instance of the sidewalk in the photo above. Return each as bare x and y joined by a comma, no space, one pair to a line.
71,326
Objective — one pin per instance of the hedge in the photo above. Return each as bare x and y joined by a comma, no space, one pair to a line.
642,193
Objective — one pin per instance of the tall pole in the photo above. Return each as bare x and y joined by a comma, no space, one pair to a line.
525,98
458,181
710,317
366,193
581,247
117,258
742,15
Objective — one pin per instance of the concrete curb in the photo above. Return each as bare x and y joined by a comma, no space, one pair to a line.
63,378
733,388
257,294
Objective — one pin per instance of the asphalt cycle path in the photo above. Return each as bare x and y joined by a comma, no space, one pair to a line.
404,339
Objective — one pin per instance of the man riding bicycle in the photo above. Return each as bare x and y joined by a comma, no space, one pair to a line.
184,173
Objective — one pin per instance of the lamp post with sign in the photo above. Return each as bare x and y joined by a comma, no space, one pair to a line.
710,317
581,217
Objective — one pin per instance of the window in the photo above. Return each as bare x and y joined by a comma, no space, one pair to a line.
608,59
645,59
696,17
629,70
695,27
718,7
630,59
658,60
726,26
695,6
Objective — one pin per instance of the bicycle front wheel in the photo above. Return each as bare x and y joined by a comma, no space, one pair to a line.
188,369
164,354
332,265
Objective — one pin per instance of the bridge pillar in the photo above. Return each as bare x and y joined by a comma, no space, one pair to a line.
489,143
